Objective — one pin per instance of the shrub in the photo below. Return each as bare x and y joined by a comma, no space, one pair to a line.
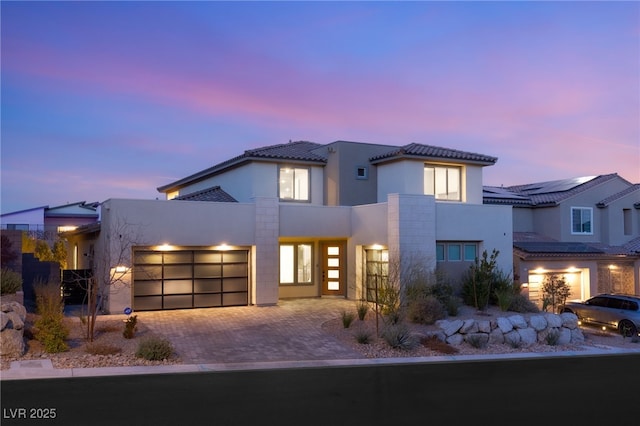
154,349
347,318
482,279
363,337
51,332
504,297
520,303
453,306
398,336
10,281
426,310
102,349
362,308
130,327
552,337
555,292
50,328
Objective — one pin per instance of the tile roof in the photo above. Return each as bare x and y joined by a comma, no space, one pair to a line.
534,245
215,194
543,193
617,196
433,152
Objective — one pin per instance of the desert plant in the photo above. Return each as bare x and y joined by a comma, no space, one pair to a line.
453,306
362,307
154,349
478,282
347,318
520,303
426,310
102,349
10,281
398,336
552,338
504,298
363,337
7,254
555,292
50,328
43,251
130,327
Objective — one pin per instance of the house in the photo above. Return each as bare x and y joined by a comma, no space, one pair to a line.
298,219
585,229
46,222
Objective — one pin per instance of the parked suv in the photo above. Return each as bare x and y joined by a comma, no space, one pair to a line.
618,311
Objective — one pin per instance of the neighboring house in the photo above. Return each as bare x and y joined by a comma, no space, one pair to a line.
585,229
47,222
298,219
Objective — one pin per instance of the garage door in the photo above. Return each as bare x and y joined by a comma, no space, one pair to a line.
185,279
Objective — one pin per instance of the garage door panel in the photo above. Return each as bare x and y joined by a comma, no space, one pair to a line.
178,286
178,302
207,300
207,271
178,271
148,257
147,272
235,284
235,257
207,257
178,257
233,299
207,286
149,303
148,288
234,270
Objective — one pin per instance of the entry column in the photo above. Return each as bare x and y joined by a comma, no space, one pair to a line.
266,253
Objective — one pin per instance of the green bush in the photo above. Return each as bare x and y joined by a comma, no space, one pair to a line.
453,306
426,310
51,332
362,307
478,283
10,281
504,298
398,336
347,318
154,349
552,338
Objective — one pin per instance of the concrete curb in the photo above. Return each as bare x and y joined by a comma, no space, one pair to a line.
43,369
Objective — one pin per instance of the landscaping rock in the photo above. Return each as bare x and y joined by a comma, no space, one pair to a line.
528,336
553,320
12,330
481,339
538,322
455,339
512,338
565,336
518,321
569,320
504,325
469,326
451,327
577,336
12,342
496,336
484,326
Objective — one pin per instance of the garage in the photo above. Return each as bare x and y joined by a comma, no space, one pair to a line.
184,279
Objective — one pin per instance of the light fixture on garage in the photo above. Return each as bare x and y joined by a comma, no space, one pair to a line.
223,246
121,269
165,247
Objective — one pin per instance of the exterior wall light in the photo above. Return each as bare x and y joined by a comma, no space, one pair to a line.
121,269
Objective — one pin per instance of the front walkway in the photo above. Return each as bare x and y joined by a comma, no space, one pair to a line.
290,331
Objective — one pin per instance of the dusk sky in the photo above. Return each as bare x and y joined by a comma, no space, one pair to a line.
112,100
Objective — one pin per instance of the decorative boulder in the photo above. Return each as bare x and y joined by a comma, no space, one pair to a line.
512,338
538,322
569,320
565,336
504,325
484,326
518,321
496,336
469,326
553,320
482,339
455,339
450,327
528,336
12,320
577,336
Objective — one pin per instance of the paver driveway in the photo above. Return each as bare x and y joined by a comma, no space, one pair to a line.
290,331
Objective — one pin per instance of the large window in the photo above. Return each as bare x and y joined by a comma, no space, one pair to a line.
582,220
456,251
293,184
296,262
377,270
442,182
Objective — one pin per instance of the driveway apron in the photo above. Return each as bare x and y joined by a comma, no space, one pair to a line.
289,331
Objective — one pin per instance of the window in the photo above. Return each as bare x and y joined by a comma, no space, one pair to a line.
295,264
361,172
442,182
581,220
18,226
294,184
377,269
456,252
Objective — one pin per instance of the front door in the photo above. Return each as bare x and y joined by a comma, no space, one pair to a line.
333,269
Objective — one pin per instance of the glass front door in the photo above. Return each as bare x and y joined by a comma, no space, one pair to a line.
333,269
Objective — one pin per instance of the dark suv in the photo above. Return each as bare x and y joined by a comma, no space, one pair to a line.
618,311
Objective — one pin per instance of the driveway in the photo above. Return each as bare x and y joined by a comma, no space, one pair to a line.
290,331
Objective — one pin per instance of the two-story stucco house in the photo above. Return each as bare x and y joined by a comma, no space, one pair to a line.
585,229
298,219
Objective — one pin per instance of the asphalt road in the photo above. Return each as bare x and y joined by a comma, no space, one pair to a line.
582,391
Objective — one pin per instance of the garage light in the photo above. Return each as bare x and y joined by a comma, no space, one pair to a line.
121,269
165,247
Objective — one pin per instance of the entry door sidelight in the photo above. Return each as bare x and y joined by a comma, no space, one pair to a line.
333,269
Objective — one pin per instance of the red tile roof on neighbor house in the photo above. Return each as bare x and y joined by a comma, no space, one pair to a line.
544,194
417,150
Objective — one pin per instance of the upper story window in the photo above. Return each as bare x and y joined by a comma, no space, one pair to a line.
582,220
293,184
443,182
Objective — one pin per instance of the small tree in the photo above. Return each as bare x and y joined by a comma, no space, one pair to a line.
43,252
9,255
60,253
555,292
479,281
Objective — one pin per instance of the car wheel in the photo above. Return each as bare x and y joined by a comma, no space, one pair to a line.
567,310
627,328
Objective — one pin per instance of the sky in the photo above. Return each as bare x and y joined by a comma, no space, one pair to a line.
114,99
